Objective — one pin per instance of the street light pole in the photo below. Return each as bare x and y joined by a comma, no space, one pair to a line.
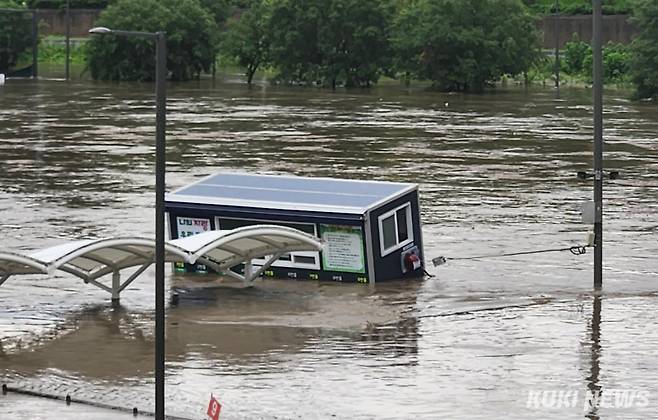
557,44
597,58
160,168
35,44
68,39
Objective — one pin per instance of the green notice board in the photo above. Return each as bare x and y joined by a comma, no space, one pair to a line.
344,248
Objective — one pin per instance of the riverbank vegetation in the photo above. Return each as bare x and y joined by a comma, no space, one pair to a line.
191,40
644,61
454,45
16,34
461,45
578,7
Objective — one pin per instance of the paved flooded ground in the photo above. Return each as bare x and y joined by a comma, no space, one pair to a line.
520,336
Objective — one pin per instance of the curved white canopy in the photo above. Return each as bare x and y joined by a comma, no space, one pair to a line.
221,250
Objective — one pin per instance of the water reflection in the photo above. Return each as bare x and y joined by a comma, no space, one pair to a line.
594,388
252,328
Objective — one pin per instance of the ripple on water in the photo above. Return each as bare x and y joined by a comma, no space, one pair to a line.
496,174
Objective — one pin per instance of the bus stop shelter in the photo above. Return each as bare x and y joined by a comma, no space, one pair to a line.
221,250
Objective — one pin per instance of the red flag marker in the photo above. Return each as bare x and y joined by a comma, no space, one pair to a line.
214,407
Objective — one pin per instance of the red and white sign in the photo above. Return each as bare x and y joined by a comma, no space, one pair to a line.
214,407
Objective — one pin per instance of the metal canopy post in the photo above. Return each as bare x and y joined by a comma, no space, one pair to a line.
116,284
134,275
597,57
99,285
265,266
248,271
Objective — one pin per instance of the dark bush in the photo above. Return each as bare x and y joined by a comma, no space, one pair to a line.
15,35
644,49
575,54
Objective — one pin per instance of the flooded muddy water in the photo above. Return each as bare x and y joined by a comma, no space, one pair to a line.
481,339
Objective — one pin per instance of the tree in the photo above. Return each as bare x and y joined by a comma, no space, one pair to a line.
465,44
575,55
218,9
15,36
190,31
330,42
644,61
247,38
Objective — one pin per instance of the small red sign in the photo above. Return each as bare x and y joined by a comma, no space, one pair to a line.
214,407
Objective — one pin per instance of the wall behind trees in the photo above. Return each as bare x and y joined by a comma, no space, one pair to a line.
616,28
53,22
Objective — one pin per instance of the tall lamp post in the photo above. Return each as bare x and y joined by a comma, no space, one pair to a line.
68,39
557,44
597,58
160,119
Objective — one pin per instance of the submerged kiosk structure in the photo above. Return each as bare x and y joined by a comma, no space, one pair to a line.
371,229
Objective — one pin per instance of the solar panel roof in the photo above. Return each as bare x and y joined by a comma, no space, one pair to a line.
290,192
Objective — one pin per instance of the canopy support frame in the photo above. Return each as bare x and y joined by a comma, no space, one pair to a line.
268,243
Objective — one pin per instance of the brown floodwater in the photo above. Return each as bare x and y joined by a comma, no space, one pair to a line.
496,174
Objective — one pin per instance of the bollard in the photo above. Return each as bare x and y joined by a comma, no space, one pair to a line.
68,399
174,299
4,389
135,411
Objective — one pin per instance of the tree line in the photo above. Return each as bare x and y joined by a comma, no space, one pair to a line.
456,45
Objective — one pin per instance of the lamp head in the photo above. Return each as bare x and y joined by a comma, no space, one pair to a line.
100,30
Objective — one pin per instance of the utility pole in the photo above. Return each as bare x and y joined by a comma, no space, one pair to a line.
160,39
68,39
597,57
556,29
35,44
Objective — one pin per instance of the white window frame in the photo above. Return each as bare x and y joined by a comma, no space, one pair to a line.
410,230
281,263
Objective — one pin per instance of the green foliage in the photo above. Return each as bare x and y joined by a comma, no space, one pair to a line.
330,42
644,49
577,7
575,54
190,40
15,36
541,70
53,50
465,44
247,38
616,61
218,9
61,4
